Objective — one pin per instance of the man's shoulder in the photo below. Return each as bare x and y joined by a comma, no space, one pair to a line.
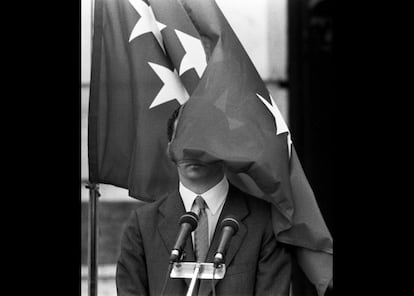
146,213
150,207
259,213
252,201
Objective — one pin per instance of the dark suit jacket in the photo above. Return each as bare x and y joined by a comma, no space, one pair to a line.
255,263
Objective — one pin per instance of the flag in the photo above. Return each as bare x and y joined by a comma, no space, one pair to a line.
231,116
151,56
134,89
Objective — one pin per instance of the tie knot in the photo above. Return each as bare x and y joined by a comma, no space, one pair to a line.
199,201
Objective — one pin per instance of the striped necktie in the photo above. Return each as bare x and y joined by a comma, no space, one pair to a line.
201,232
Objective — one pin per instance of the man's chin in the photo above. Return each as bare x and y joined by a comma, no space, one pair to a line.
195,169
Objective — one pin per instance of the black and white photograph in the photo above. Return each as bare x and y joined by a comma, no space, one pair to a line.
206,160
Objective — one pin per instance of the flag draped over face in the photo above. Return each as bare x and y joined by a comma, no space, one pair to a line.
232,117
151,56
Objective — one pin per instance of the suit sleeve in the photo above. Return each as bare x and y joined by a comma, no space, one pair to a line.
274,268
131,271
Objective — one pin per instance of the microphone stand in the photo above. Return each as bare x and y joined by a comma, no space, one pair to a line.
213,287
193,279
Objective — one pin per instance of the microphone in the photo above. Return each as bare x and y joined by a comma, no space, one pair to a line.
229,227
188,222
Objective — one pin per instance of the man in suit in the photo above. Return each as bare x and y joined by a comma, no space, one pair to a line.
256,264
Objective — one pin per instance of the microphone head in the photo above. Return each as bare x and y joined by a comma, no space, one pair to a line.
232,222
191,218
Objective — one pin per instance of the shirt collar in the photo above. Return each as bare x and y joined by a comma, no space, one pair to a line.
213,197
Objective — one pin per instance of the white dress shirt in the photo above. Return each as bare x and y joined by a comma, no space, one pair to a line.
214,199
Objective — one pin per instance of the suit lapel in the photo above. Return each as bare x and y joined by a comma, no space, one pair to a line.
171,211
235,205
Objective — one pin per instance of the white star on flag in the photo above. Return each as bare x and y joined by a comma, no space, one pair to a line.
172,89
281,126
194,57
146,23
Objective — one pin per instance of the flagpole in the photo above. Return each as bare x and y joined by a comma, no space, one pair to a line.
93,214
92,239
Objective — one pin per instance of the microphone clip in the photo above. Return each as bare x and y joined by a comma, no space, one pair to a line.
218,260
